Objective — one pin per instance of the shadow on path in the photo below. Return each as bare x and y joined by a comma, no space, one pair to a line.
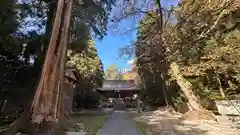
119,123
169,124
91,113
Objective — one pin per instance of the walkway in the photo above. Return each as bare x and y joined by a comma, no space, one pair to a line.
119,124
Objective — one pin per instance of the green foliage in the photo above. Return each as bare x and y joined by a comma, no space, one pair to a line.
206,45
94,14
148,58
175,94
89,65
23,23
112,73
87,99
18,75
203,38
8,17
217,51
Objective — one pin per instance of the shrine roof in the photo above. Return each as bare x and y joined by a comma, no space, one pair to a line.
121,85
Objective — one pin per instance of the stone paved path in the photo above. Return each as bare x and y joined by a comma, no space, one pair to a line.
119,123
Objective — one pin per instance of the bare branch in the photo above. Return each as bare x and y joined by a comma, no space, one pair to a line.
214,25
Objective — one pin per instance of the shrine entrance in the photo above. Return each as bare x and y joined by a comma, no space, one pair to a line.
119,94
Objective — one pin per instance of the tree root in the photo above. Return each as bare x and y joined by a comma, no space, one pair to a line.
15,126
25,126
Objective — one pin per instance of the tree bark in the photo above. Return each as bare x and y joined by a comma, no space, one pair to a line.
42,102
64,43
161,53
187,89
50,18
44,113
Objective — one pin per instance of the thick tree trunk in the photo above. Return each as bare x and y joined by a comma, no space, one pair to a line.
43,101
44,113
187,89
64,43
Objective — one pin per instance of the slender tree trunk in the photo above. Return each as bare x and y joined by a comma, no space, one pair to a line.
164,88
162,52
187,89
2,107
220,86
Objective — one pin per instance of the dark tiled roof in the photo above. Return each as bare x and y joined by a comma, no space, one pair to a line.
109,85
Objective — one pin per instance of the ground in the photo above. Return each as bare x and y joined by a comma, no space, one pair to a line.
102,123
120,123
170,123
159,122
88,122
3,127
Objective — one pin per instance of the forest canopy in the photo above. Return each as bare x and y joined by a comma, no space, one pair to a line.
187,53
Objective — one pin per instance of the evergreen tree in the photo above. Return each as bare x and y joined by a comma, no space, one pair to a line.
112,73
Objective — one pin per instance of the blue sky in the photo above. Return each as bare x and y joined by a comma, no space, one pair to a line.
108,47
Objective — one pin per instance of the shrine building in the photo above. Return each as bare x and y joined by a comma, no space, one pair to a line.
119,94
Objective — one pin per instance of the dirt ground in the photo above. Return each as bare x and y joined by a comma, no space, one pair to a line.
165,122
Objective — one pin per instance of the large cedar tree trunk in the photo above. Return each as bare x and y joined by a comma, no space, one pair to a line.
46,109
187,89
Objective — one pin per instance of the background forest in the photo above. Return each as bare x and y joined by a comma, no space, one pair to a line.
25,29
197,41
188,53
